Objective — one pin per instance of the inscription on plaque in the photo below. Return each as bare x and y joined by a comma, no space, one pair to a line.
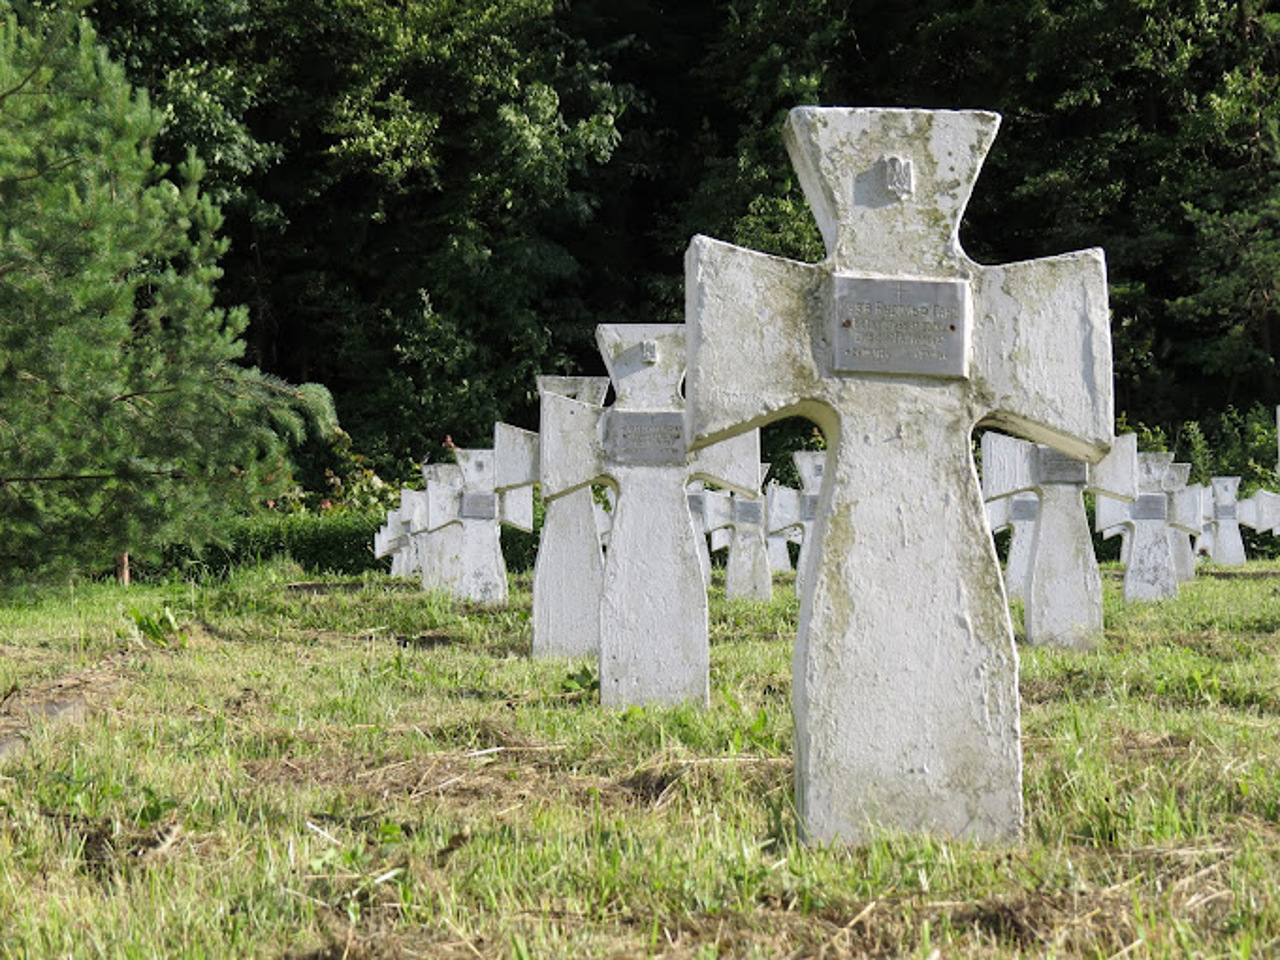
809,507
748,511
1024,508
1224,511
1151,506
1057,467
479,506
636,438
901,326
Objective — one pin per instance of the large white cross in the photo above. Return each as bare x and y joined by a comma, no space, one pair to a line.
905,690
654,645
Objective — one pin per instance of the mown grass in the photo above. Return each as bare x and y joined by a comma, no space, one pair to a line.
347,767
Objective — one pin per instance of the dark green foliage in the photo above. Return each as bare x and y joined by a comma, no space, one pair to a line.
338,542
127,423
430,202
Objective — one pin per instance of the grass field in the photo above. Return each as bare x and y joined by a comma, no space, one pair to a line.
272,766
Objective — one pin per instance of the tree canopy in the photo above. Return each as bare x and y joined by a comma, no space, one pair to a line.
431,201
126,420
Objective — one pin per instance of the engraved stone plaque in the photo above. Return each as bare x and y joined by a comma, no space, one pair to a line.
638,438
1024,508
900,326
695,504
809,507
748,511
1151,506
479,506
1224,511
1055,467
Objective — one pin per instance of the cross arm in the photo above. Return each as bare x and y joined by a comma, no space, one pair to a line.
515,454
1116,474
733,463
571,450
1042,348
751,352
1008,466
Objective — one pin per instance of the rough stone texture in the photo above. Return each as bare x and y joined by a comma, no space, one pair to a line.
905,691
747,573
1062,583
394,538
653,611
697,498
568,574
1164,501
1017,514
782,525
469,559
810,464
434,546
1261,512
1222,522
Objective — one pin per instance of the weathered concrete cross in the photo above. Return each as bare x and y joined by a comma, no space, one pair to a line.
1221,535
1063,584
1017,514
471,564
747,572
905,691
654,645
1165,504
569,571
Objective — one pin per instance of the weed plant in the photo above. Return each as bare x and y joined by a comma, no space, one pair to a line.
276,765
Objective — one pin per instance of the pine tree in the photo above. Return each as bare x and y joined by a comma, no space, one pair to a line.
125,421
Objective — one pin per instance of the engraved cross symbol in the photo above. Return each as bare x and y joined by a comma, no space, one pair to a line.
905,689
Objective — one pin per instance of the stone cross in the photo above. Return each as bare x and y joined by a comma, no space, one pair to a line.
393,539
810,464
697,497
782,513
1181,542
568,573
1261,512
1222,522
471,567
1164,501
654,645
1017,514
747,573
434,546
905,691
1063,585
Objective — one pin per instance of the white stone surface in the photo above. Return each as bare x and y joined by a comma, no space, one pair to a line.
782,525
654,644
741,520
1062,583
905,691
469,560
1017,514
1226,544
434,546
810,464
697,497
1164,502
568,574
